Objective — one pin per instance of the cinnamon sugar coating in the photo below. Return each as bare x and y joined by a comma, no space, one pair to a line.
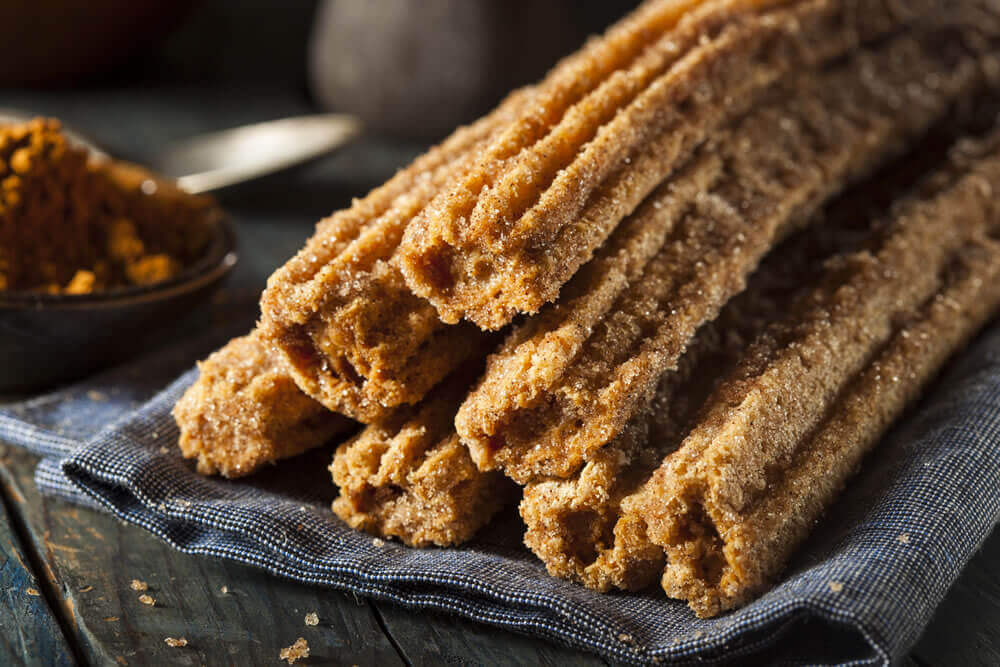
244,411
355,338
409,477
569,380
575,525
548,191
780,435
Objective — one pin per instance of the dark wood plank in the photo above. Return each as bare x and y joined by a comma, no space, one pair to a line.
29,631
965,629
438,639
92,558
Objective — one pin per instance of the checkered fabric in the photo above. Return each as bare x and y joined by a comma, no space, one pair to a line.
859,592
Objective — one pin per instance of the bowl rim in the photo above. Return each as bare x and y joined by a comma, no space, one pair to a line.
218,260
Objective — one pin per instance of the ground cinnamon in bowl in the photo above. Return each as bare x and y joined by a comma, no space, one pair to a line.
74,224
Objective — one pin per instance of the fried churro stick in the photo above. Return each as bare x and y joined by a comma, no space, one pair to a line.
410,477
551,188
575,525
568,381
356,339
244,411
780,436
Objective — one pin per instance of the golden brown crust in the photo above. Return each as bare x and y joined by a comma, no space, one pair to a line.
575,525
780,434
567,382
355,337
508,237
409,477
244,411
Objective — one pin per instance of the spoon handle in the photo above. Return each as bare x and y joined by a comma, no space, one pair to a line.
219,159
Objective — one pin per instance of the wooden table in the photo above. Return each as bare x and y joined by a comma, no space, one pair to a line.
67,570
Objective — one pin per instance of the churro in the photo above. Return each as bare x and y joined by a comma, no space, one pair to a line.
356,339
779,436
566,382
607,128
244,411
409,477
575,525
360,342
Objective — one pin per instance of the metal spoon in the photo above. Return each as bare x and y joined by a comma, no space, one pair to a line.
219,159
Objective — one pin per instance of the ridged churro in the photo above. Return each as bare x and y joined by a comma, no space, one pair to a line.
606,128
780,435
244,411
571,523
575,525
360,342
409,477
356,339
568,381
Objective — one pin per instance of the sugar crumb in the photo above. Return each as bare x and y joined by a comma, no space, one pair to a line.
224,590
138,585
624,638
96,396
312,618
836,586
904,538
164,449
147,599
378,542
86,589
175,642
110,619
298,650
33,592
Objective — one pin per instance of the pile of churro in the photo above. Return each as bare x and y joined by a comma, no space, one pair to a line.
669,297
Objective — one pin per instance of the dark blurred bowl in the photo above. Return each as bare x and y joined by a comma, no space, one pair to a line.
46,339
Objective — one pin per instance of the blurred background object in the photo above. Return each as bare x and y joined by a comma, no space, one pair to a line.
418,69
411,69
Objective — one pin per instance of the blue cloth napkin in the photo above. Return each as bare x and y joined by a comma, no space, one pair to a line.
860,591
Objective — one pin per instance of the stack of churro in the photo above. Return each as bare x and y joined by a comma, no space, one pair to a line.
674,292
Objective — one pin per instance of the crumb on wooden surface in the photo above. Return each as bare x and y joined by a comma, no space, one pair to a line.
175,642
86,589
312,618
138,585
224,590
298,650
34,592
147,599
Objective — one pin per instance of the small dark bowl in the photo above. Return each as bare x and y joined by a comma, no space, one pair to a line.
50,338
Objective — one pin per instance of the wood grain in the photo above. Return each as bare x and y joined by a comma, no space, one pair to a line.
29,631
92,559
440,639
